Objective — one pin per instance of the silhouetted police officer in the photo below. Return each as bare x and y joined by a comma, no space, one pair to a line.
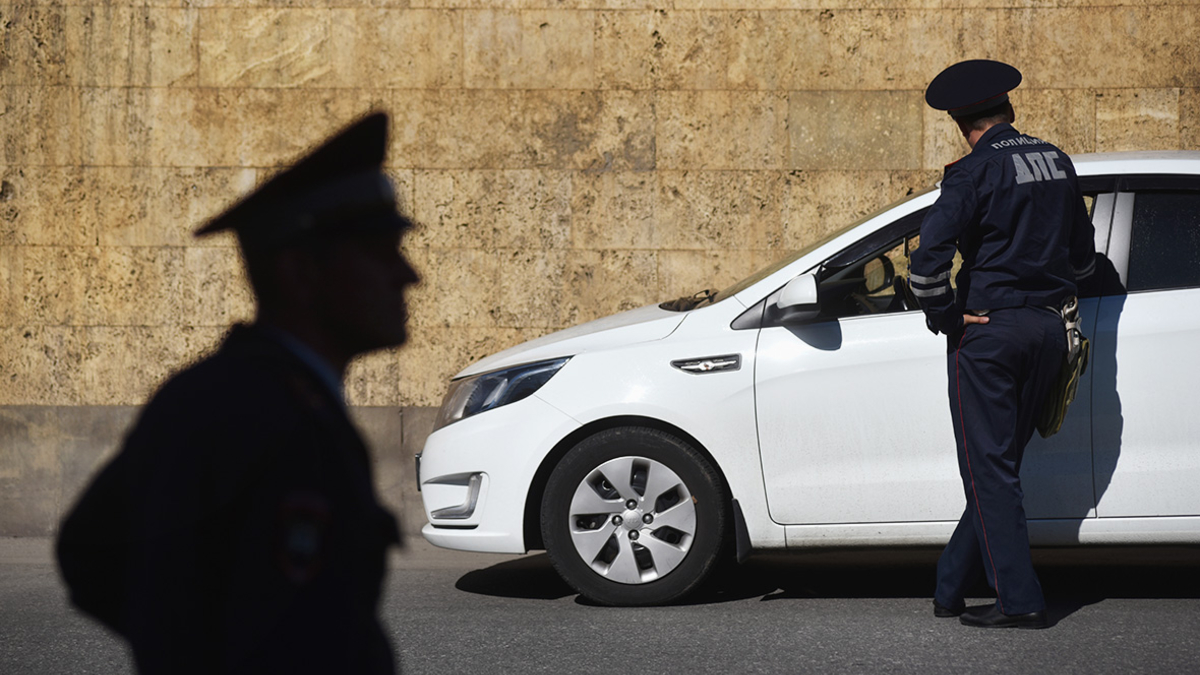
238,529
1014,210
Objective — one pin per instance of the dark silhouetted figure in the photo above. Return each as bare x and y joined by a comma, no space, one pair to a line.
238,530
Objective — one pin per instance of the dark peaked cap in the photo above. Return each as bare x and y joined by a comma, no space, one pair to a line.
338,189
970,87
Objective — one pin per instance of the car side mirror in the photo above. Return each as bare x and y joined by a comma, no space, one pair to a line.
798,300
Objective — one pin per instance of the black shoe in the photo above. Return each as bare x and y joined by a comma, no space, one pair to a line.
992,617
943,612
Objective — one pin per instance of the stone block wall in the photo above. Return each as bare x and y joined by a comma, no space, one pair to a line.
566,159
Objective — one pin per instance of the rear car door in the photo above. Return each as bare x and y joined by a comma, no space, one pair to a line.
1146,358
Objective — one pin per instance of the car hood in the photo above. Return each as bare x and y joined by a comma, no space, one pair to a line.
637,325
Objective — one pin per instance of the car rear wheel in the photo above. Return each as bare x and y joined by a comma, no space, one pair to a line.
634,516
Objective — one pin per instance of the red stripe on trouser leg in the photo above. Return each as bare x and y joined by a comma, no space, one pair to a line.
963,423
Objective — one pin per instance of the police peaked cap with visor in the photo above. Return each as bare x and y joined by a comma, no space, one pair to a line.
971,87
337,190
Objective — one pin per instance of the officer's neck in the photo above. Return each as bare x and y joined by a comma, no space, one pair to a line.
304,328
973,135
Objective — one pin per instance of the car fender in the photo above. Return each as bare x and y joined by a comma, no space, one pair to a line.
652,386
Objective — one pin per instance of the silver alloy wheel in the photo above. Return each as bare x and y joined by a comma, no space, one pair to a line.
632,520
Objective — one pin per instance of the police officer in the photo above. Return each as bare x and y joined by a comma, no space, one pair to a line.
238,530
1014,211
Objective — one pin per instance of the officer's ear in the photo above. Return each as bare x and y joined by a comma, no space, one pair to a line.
1012,114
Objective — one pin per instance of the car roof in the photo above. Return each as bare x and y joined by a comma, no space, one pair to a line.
1142,161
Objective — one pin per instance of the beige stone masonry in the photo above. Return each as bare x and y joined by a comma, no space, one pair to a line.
1137,119
40,126
719,210
819,203
723,129
614,210
162,206
411,49
882,130
215,290
155,206
375,379
1189,119
94,365
47,206
689,272
98,45
524,208
433,356
505,129
1067,118
266,48
696,50
564,159
854,47
505,49
467,300
11,267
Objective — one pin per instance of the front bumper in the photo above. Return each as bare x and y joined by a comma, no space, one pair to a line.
475,475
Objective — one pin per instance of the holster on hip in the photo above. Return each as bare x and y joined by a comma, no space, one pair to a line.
1075,361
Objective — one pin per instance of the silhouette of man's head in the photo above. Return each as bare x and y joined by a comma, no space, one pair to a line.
321,242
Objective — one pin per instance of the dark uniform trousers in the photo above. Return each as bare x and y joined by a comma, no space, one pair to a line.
999,375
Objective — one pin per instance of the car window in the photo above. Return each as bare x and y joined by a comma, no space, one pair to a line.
790,258
1164,244
869,285
864,278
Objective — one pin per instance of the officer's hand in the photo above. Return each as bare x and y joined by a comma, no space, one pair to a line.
971,318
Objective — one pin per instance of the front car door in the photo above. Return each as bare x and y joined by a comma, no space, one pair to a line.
853,412
846,430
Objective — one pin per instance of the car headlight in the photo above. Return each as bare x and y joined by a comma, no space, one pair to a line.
479,393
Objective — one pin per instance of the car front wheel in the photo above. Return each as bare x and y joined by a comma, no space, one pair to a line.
634,516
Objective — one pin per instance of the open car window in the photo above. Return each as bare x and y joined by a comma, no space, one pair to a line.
789,259
869,276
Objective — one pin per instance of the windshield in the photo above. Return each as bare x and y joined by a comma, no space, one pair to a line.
789,259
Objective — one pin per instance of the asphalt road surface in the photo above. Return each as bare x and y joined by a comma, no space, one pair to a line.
1122,611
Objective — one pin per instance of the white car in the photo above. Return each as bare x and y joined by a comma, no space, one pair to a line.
806,406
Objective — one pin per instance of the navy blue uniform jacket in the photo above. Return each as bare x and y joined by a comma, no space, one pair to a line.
1014,209
238,529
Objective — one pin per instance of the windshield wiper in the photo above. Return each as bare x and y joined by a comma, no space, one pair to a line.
688,302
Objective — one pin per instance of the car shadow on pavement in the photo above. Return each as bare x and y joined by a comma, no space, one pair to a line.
531,577
1071,579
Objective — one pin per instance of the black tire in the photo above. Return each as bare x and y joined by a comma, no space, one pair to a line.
652,459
